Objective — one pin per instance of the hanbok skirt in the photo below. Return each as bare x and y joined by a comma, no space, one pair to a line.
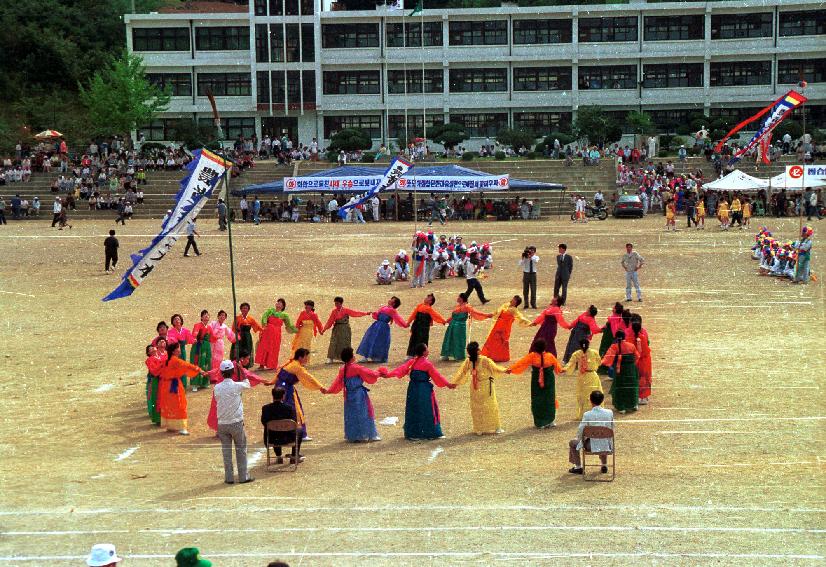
269,346
201,356
359,417
585,384
172,404
243,344
419,332
543,399
421,412
375,344
455,340
604,345
579,332
152,399
644,371
547,332
341,337
625,388
484,407
497,346
304,337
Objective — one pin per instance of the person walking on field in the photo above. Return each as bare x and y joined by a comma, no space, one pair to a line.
231,422
191,233
631,263
221,210
57,208
564,269
110,246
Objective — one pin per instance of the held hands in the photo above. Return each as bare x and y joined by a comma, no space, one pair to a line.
451,386
383,371
324,390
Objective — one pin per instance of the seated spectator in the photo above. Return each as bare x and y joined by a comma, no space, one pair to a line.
596,416
384,275
279,410
103,555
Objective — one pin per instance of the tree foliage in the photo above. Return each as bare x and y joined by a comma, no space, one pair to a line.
640,122
350,140
120,98
791,127
449,134
596,125
517,137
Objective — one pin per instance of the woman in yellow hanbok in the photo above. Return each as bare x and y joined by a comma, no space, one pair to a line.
484,408
585,361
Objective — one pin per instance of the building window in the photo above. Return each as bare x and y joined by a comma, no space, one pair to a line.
235,38
669,120
308,43
308,79
413,38
810,22
260,7
674,28
541,78
478,80
608,77
160,39
160,129
351,82
233,127
395,125
734,114
293,44
543,122
479,32
527,32
741,73
481,125
594,30
370,123
346,36
433,81
225,84
673,75
741,26
179,83
261,53
262,85
307,7
792,71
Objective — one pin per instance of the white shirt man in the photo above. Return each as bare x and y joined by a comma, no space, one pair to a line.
597,416
244,206
599,198
231,422
375,203
57,208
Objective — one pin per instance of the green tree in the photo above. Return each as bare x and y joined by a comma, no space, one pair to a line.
120,98
192,134
596,125
640,123
791,127
517,137
449,134
350,140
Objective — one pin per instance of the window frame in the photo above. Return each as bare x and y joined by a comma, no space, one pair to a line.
542,78
176,80
335,36
468,77
165,35
816,73
413,36
395,124
483,124
815,19
664,28
222,38
741,26
608,33
369,122
433,77
725,73
240,82
480,32
541,31
672,75
351,82
627,82
543,121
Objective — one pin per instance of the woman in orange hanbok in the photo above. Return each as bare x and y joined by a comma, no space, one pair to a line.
308,325
171,394
497,345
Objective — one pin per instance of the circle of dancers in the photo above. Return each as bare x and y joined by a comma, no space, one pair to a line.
623,357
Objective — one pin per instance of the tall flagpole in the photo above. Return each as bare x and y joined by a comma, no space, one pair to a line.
424,95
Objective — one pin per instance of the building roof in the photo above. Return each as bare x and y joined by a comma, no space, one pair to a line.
214,7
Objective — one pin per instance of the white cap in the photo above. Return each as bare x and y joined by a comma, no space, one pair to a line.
386,263
102,554
227,365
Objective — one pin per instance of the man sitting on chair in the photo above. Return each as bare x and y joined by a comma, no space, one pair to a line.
597,416
279,410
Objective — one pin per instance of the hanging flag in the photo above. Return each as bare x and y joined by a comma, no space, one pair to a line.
395,5
418,9
777,112
205,171
398,167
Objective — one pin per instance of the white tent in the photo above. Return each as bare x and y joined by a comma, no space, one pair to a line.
737,181
783,181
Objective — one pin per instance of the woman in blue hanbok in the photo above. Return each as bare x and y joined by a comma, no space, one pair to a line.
375,345
359,417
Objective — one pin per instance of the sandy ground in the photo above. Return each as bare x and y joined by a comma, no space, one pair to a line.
724,467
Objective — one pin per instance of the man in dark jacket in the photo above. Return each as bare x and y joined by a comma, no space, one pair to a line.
279,410
564,268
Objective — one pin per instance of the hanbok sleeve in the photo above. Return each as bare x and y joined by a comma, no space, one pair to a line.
610,355
413,315
520,318
183,367
493,368
555,363
539,319
478,315
214,376
287,323
317,326
253,378
571,366
255,325
592,324
307,380
523,363
564,324
463,372
367,374
330,320
435,375
435,315
354,313
397,318
338,383
402,370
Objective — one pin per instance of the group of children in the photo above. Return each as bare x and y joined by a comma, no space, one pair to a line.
434,259
624,355
738,211
784,259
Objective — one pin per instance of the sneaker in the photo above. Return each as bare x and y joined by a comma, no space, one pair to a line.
376,438
500,430
186,255
603,469
329,361
363,360
249,479
627,299
229,482
622,411
575,470
643,401
300,459
183,432
639,299
305,439
195,388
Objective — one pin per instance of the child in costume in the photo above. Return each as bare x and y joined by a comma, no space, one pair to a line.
201,354
486,256
420,321
700,222
218,330
723,214
375,344
671,216
430,258
155,359
244,327
341,336
497,344
384,275
292,373
484,407
269,345
443,266
402,266
586,362
308,325
543,386
746,213
453,344
359,415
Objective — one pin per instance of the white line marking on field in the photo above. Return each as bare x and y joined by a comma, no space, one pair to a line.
255,458
104,388
435,453
247,498
126,454
709,432
17,293
501,241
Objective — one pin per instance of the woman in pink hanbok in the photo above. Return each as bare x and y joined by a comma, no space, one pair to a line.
220,330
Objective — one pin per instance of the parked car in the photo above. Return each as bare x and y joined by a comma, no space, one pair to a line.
628,206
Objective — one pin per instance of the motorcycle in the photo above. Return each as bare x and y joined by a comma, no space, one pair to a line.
591,211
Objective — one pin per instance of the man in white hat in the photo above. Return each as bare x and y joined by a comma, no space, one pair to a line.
231,422
384,275
103,555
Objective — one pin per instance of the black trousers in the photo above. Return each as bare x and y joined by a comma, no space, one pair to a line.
529,288
3,217
190,243
55,218
121,219
111,258
473,284
691,216
296,449
561,284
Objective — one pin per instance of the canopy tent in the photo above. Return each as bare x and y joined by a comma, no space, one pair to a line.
814,177
737,181
430,178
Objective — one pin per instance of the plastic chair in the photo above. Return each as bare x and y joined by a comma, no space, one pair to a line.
599,432
281,426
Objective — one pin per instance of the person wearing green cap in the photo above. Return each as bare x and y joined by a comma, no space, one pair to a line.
190,557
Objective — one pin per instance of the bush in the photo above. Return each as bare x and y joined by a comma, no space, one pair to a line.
532,155
500,155
468,156
368,157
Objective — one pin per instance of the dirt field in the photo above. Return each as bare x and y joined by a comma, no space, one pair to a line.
724,467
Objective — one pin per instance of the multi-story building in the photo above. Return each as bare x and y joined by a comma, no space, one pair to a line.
310,68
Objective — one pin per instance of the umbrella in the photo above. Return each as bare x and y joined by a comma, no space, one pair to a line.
46,134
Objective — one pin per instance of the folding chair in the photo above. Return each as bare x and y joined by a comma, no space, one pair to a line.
599,432
283,425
